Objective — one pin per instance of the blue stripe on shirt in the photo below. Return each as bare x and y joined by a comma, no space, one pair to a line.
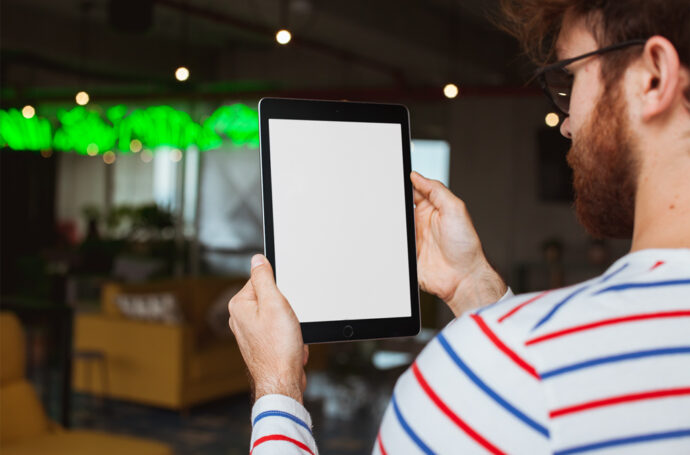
614,358
410,432
287,415
624,441
558,306
488,390
614,273
651,284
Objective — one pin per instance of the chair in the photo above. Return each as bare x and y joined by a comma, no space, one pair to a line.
25,428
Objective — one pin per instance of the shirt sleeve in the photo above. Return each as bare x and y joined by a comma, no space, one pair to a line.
281,425
473,389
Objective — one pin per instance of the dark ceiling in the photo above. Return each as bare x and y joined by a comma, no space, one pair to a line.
132,47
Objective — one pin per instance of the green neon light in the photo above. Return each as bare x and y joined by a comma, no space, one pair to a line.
238,122
163,125
19,133
87,131
81,129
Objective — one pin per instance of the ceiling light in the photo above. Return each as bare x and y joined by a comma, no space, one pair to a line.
28,111
82,98
109,157
92,149
450,90
283,36
551,119
146,156
176,155
135,145
182,74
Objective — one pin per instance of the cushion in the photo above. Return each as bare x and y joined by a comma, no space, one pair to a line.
21,413
81,442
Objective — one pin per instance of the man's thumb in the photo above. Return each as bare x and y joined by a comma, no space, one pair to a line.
262,277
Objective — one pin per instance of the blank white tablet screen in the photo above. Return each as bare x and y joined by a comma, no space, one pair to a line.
339,219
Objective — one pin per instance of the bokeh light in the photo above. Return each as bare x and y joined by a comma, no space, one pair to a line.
82,98
283,36
109,157
28,111
135,145
182,74
92,149
176,155
551,119
450,90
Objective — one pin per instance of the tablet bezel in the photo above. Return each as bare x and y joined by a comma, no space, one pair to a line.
299,109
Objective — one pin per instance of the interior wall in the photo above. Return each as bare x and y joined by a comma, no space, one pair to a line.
80,183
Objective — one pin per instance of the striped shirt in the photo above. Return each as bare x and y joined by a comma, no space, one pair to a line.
602,367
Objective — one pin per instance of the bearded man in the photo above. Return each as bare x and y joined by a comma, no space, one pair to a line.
599,367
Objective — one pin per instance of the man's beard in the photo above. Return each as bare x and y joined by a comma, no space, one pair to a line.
605,172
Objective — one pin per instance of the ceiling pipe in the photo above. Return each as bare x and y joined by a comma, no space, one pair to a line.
395,73
374,94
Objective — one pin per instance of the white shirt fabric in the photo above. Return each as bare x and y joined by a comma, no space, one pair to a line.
601,367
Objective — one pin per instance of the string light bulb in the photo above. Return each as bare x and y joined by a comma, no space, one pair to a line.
135,145
109,157
176,155
28,111
450,90
182,73
92,149
551,119
82,98
283,36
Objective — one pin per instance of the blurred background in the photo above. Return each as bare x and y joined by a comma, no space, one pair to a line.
131,201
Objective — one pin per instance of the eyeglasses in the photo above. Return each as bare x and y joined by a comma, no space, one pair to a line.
557,81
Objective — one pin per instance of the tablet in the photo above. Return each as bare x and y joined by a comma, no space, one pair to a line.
338,216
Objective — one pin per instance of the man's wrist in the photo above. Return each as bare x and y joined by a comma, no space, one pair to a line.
290,389
483,287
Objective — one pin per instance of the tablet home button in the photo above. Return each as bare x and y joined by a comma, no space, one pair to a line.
348,331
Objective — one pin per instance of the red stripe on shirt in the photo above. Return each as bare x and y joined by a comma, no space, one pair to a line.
380,443
450,414
658,263
519,307
605,322
505,349
620,399
280,437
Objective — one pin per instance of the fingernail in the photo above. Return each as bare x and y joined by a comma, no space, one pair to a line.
257,260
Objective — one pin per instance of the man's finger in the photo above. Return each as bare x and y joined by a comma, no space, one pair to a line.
417,196
262,278
247,292
433,190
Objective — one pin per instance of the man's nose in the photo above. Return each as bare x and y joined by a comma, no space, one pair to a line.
565,128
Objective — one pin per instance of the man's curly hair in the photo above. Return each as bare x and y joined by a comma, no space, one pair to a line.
536,24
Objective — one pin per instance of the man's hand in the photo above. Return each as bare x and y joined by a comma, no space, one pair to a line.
450,260
269,335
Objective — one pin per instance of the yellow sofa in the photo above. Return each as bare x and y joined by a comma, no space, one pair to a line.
173,366
24,427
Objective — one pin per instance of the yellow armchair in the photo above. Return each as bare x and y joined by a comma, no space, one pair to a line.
174,366
25,429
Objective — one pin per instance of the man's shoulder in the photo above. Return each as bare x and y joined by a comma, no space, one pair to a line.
638,286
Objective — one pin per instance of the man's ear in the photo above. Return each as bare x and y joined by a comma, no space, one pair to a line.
660,69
